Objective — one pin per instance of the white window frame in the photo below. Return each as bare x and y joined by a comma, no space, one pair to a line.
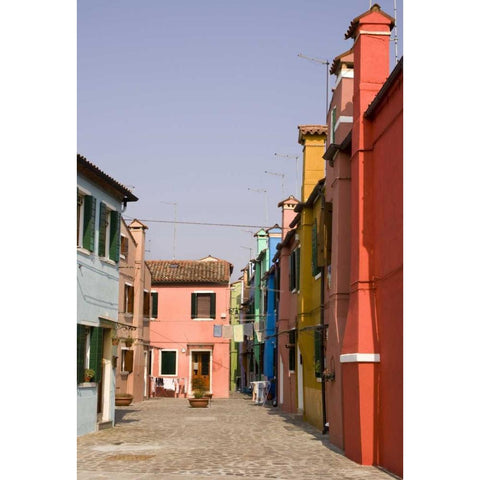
123,257
122,361
125,299
110,209
160,374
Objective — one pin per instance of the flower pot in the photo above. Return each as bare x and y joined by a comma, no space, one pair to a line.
123,399
198,402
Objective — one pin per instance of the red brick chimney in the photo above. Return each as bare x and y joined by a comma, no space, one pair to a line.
288,213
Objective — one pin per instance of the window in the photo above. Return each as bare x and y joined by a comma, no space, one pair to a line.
146,303
154,302
127,360
317,339
109,238
295,270
128,307
291,351
89,351
324,249
168,363
86,210
315,249
333,120
123,247
203,305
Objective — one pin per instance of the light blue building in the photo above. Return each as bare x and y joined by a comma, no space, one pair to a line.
100,201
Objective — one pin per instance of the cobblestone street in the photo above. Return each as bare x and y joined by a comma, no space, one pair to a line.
233,438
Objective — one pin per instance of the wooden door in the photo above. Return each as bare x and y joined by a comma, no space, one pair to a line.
201,367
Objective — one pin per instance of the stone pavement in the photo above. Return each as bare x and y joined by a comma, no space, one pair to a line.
232,439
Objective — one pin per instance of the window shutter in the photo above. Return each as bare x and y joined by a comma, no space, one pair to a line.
154,304
321,237
114,253
317,346
131,295
96,353
80,353
103,230
213,304
314,248
203,305
89,223
169,363
128,365
297,268
328,233
194,305
146,304
292,271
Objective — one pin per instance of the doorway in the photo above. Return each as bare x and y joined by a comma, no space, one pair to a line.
201,367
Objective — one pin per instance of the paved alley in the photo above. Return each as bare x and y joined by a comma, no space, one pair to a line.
165,438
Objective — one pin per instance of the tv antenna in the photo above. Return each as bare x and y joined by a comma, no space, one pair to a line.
278,175
266,204
296,167
323,62
174,224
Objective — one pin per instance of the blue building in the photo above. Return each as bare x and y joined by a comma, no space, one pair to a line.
100,201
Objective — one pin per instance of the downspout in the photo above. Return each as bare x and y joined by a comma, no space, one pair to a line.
322,354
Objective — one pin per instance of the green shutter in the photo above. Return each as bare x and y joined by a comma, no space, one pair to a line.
89,223
194,305
314,248
169,366
80,353
96,352
318,365
297,268
213,304
328,233
292,271
154,304
103,230
114,253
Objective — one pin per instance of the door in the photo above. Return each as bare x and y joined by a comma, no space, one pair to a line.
201,367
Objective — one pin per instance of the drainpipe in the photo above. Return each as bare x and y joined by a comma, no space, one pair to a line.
322,355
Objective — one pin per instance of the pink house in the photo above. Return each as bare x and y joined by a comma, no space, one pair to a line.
193,307
287,312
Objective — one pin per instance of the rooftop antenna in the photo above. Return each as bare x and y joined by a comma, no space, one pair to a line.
174,224
279,175
296,173
323,62
266,204
395,36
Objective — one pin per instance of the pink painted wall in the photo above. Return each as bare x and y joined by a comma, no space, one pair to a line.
175,329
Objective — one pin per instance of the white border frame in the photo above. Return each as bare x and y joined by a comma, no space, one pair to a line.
160,362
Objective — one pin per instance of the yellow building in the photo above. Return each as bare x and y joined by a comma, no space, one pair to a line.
309,294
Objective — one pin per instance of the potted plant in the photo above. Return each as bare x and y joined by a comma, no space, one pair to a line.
327,375
198,390
88,374
115,340
129,341
123,399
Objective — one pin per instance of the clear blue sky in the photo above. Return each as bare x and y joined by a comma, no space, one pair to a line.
189,101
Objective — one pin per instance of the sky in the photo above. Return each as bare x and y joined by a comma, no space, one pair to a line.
190,103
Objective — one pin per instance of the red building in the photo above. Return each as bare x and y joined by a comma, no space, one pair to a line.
371,347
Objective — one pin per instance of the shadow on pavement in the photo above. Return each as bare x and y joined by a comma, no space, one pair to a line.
121,414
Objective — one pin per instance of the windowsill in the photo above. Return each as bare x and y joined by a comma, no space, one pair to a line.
124,374
107,260
204,319
318,379
84,251
318,275
87,385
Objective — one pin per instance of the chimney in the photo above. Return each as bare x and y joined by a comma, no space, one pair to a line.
313,139
288,213
340,113
371,35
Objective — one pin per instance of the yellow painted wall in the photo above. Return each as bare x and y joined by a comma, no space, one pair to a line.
309,297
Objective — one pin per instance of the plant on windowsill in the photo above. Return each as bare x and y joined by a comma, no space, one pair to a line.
88,374
327,375
129,341
115,340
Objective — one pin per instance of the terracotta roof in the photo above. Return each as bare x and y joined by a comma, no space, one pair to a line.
208,270
310,130
374,8
90,170
345,57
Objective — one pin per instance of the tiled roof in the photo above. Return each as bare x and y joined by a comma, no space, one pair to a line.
345,57
88,169
374,8
210,270
310,130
